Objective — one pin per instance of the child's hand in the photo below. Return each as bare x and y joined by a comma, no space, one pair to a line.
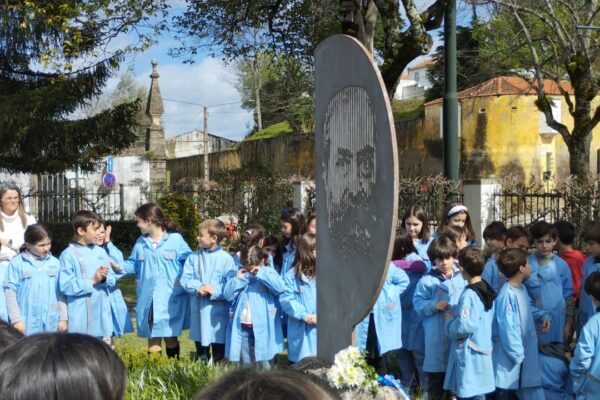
62,326
255,269
20,326
567,331
311,319
100,275
206,290
116,267
568,356
546,326
448,314
107,231
241,272
441,305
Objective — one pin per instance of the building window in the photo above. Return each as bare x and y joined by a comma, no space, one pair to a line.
416,76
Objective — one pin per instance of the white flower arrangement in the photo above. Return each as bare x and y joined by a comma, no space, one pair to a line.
351,371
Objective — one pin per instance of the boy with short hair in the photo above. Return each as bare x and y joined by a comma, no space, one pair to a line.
85,278
494,236
555,294
591,237
514,237
585,365
204,275
470,372
573,257
515,351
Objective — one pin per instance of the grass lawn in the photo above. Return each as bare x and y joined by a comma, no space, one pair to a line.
279,129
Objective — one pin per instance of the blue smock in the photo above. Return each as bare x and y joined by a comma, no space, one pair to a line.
556,285
288,258
556,379
515,340
298,301
260,291
36,284
586,308
492,275
210,314
120,314
160,297
585,365
387,314
412,322
3,274
470,367
88,305
422,248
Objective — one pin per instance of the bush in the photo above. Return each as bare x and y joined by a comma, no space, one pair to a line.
182,210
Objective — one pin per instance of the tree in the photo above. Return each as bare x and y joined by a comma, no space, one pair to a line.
54,60
296,27
540,40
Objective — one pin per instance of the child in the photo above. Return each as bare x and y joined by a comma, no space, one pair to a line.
555,294
456,214
203,277
591,237
299,301
270,245
253,234
554,367
573,257
85,278
431,299
517,237
35,303
311,226
254,333
470,371
157,260
494,236
293,226
585,365
515,350
410,356
457,234
416,224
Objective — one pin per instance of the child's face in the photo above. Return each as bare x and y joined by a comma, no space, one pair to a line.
41,248
101,235
458,219
520,243
286,229
143,224
89,234
593,248
544,245
206,240
445,264
494,244
413,226
461,243
526,271
312,226
270,249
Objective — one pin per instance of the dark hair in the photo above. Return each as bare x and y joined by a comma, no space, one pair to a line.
592,285
419,213
156,216
36,233
253,255
305,260
442,248
65,366
214,227
8,335
472,260
542,228
271,240
20,209
445,218
495,230
517,232
510,260
566,232
454,233
84,218
297,219
403,245
267,385
591,233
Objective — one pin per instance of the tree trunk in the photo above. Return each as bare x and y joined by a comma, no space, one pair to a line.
579,152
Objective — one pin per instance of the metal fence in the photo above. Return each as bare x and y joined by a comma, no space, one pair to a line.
526,208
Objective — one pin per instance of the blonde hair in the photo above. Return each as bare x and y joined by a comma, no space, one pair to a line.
20,209
214,227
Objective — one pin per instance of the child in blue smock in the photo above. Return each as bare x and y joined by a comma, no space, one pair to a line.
293,226
554,368
457,214
204,275
254,333
555,294
515,350
516,237
431,300
410,357
86,278
157,259
585,365
591,237
34,302
416,223
299,301
470,372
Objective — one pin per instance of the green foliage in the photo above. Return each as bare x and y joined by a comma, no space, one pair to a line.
182,210
408,109
278,129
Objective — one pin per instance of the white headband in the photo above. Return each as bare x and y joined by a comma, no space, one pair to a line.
457,209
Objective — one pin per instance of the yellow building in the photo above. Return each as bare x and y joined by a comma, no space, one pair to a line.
501,132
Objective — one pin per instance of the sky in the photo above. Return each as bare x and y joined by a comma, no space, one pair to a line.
208,82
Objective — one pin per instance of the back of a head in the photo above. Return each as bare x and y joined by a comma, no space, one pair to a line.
509,261
495,230
247,384
566,232
8,335
61,366
591,233
471,259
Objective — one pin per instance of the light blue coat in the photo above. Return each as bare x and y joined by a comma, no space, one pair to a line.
36,285
3,274
288,259
298,301
88,305
432,288
387,314
586,308
515,346
585,365
120,314
412,322
422,248
555,378
556,285
492,275
210,314
159,290
261,291
470,368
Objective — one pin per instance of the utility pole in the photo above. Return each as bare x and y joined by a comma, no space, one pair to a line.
450,104
206,172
